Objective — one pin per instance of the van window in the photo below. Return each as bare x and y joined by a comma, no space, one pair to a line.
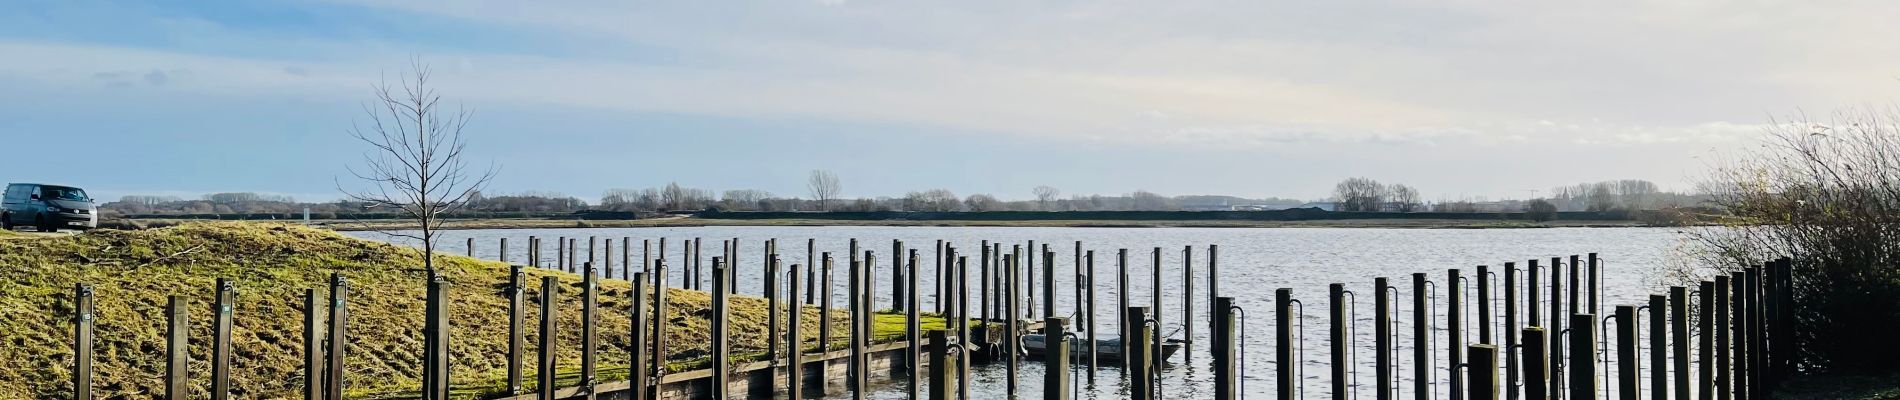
62,193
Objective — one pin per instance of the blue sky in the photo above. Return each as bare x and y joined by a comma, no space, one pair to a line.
1458,98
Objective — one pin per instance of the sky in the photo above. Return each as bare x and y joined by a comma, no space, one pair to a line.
1461,99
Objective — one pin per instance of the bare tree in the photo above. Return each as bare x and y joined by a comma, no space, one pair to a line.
416,164
1045,195
982,202
1359,194
1405,198
824,187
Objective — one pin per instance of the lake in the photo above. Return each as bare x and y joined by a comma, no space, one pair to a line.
1253,262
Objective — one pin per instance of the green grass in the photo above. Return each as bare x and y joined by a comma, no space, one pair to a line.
134,271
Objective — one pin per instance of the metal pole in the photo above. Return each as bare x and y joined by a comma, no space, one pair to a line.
1536,363
1055,355
1583,377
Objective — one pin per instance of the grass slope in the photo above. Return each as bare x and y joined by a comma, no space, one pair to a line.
134,272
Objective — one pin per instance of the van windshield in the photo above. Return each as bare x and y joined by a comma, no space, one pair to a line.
62,193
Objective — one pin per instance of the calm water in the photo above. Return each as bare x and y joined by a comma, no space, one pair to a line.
1253,262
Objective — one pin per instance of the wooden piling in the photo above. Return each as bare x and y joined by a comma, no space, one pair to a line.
940,365
313,344
502,254
82,341
721,341
1008,344
1226,349
1187,302
1055,357
1557,329
899,301
339,321
1383,367
560,253
607,259
1155,289
824,325
470,248
1455,330
590,314
1595,280
1049,282
1678,317
1510,331
438,357
177,351
1482,373
1337,339
1213,273
517,331
1751,295
913,330
1658,347
1088,281
943,280
1738,335
1028,280
963,326
983,285
1421,340
1583,354
1627,360
860,375
795,354
1532,298
544,374
1705,349
1282,343
1121,262
222,309
772,312
626,260
1782,343
1141,362
1484,304
659,321
1535,364
637,357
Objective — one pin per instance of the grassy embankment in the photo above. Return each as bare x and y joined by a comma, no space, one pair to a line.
134,271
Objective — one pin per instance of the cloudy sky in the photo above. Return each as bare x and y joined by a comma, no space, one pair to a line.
1254,98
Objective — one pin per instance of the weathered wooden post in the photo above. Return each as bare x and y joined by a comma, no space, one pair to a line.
1482,373
861,374
1055,356
82,341
1156,296
222,309
1658,347
659,322
1757,362
626,260
1081,282
439,348
1187,301
1627,362
177,354
1532,298
339,319
811,270
1484,305
502,254
573,246
1011,360
1282,342
795,357
1583,351
1121,262
913,329
940,368
1705,349
1576,289
1337,339
1028,278
824,326
470,248
1421,339
590,304
1536,366
1213,273
1455,330
1141,361
943,280
721,342
517,332
1782,346
1596,291
1226,349
1049,282
1557,328
638,356
772,309
899,300
544,374
607,258
1510,328
963,326
1738,336
312,344
560,253
1382,339
983,286
1678,317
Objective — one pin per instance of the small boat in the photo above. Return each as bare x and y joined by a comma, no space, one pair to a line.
1106,350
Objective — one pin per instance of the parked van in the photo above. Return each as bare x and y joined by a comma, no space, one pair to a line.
47,207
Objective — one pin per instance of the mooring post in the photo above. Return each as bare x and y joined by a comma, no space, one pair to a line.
470,248
517,332
626,260
1421,339
1121,262
1536,365
439,347
607,258
1723,376
1282,342
1583,353
544,373
1596,289
1055,356
1028,280
177,354
1382,339
1782,276
590,304
312,344
983,286
913,329
1576,289
1557,336
853,284
339,318
1455,331
1011,361
1757,352
1484,304
1658,347
82,341
222,309
721,342
659,321
900,302
1738,337
1678,317
795,356
1510,328
560,253
943,281
1187,301
1049,282
824,326
1213,273
811,270
1337,339
638,356
1094,347
1532,298
1226,349
1627,362
963,326
1141,361
573,246
940,369
863,377
1705,351
1081,281
502,253
1482,373
772,311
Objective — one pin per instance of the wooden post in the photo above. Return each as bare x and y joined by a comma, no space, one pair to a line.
1678,317
1484,305
607,258
638,357
983,285
544,376
1510,327
1536,366
1156,288
940,369
1532,297
1421,340
560,253
1008,345
942,280
1226,350
438,361
1627,361
1055,357
1187,301
1658,347
1583,353
82,341
222,309
517,329
339,318
1028,278
1782,346
824,327
1751,294
1336,321
1557,329
1093,346
626,260
659,321
861,327
721,343
1049,282
1705,349
772,310
1282,343
590,304
1121,262
177,353
1596,292
471,248
1455,331
1383,366
502,255
963,326
1213,273
1141,361
795,373
1738,335
899,300
913,329
312,344
1482,374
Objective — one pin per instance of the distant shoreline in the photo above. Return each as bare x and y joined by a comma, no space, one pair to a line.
537,223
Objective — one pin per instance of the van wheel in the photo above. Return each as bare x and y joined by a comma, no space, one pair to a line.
6,221
39,223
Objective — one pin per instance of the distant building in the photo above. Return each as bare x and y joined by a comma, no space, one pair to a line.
1322,205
